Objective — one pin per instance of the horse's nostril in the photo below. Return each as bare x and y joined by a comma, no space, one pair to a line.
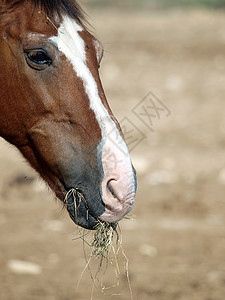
118,196
114,189
110,188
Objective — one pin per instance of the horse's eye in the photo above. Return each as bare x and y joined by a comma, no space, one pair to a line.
38,59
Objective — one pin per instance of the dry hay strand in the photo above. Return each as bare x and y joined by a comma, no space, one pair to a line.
76,194
102,243
106,247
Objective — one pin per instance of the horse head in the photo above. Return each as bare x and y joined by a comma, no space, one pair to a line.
54,110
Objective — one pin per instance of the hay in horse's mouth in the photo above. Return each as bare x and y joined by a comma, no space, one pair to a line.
104,231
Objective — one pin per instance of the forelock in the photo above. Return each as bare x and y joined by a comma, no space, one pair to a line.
51,8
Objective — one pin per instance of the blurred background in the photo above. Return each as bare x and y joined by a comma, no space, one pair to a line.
172,54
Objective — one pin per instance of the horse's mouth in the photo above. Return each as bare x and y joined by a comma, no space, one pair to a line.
78,209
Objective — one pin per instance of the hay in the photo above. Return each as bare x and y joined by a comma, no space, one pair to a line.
103,244
103,239
76,195
104,231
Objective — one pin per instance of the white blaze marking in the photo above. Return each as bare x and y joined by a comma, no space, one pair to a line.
70,43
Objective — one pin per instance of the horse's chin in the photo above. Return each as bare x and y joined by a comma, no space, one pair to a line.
79,213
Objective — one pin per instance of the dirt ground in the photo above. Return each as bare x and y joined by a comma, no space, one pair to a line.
175,237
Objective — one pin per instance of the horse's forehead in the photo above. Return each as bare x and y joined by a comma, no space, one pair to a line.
21,22
40,23
24,23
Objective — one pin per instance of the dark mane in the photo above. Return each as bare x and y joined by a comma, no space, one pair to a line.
51,7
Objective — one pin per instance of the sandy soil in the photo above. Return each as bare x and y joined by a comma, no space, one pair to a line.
175,239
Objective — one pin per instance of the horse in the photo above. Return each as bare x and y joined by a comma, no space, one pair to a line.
53,109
